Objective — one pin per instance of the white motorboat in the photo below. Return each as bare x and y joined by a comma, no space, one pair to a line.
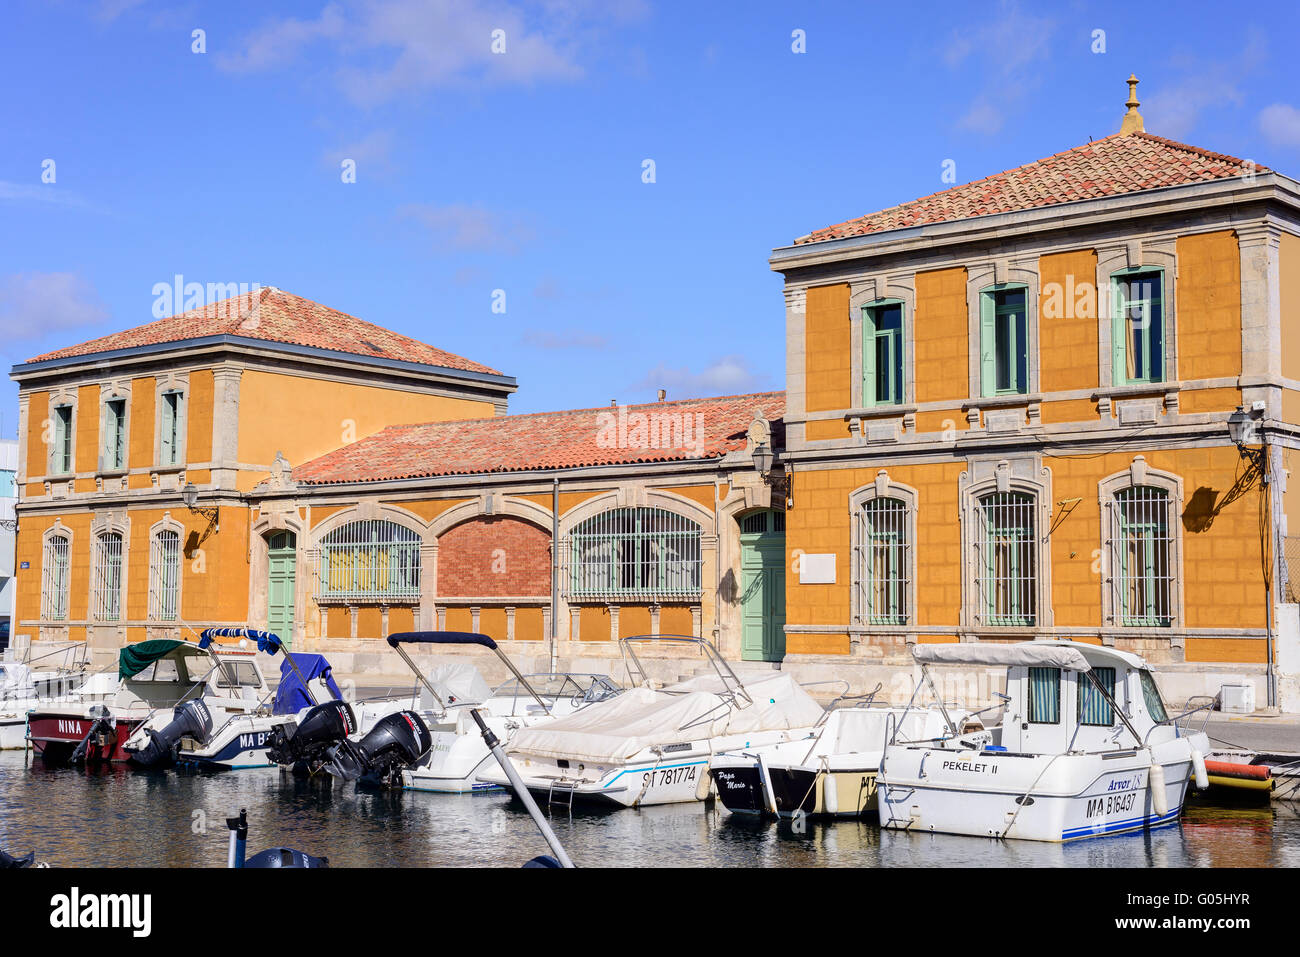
163,685
1085,748
24,689
450,690
829,773
649,746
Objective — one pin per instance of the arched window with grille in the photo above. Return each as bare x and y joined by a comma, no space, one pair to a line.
370,561
164,575
1006,553
1141,557
633,553
106,591
55,577
883,565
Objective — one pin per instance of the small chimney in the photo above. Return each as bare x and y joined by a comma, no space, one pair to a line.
1132,122
663,394
613,403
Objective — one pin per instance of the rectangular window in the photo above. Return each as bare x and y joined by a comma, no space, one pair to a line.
370,560
164,575
1007,557
54,582
1044,695
173,408
7,484
883,562
62,462
1004,341
1141,549
882,354
634,553
107,603
1139,329
1094,709
115,434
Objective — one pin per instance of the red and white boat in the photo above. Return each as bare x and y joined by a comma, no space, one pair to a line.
93,723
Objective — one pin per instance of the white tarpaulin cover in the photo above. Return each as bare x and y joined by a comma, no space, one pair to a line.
614,730
457,682
15,679
1026,653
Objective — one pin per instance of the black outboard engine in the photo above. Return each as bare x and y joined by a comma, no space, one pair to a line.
308,743
396,741
192,719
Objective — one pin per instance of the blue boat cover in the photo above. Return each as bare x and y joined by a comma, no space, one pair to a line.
291,697
266,641
442,638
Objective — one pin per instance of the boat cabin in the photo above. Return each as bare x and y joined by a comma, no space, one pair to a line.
1055,704
161,673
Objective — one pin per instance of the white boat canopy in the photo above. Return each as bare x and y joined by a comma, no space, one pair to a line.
1026,653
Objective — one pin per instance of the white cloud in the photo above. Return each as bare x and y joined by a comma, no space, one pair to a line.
36,304
383,49
371,153
460,226
43,193
728,375
1199,84
1281,124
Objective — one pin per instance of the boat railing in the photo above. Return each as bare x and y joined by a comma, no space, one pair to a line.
1183,723
733,689
76,657
846,700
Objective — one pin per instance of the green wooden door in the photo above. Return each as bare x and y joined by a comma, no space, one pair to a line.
762,583
281,553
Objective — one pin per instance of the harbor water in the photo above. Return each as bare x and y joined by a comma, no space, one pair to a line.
116,817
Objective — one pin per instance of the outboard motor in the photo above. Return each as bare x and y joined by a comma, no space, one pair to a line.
396,741
192,719
309,742
274,857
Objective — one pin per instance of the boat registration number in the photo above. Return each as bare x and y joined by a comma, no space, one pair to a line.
666,776
1111,804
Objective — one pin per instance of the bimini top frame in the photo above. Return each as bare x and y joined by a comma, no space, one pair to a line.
454,638
267,642
734,688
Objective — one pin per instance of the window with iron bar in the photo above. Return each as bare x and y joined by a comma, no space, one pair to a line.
1141,557
107,596
1007,559
164,575
883,563
631,553
54,578
370,561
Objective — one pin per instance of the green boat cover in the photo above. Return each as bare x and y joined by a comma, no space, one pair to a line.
133,659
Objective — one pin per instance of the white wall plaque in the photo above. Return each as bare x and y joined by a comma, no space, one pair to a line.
817,569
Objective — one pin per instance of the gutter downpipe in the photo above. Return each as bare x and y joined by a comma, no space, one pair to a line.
1270,566
555,573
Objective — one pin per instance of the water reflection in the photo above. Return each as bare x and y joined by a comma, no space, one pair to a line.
112,816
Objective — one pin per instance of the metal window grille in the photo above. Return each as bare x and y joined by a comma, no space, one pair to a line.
883,562
54,579
1007,559
370,561
107,598
1141,551
646,553
164,575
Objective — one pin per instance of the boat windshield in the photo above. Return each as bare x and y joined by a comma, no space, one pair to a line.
1151,694
590,687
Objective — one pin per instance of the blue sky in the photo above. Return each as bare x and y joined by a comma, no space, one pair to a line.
523,171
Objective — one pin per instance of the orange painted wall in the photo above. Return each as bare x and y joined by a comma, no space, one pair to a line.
941,336
1209,305
198,413
143,403
1067,321
827,360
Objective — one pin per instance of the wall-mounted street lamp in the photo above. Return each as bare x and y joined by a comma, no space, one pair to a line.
763,458
1244,428
190,497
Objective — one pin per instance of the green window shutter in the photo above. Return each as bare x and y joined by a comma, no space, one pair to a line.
868,358
168,428
1118,335
988,345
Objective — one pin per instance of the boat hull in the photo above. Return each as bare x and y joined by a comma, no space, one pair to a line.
232,751
454,762
54,737
1040,798
740,789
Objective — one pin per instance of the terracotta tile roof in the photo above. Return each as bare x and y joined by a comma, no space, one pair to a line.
277,316
1122,163
548,440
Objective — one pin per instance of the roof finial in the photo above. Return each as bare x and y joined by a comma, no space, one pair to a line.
1132,122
